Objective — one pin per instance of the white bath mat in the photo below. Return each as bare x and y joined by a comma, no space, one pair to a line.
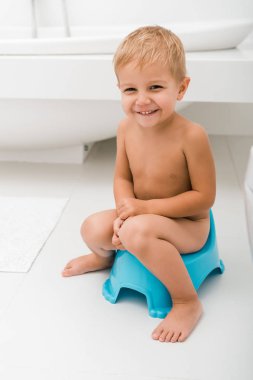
25,226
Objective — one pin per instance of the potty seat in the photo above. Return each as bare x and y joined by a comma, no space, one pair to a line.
128,272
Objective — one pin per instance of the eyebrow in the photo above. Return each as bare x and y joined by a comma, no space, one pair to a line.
148,83
157,81
126,85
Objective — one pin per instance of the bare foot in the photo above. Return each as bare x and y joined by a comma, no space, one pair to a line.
87,263
179,323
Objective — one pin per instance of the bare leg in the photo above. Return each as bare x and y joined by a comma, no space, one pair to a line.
96,231
156,241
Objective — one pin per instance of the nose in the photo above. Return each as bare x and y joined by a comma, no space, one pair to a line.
142,99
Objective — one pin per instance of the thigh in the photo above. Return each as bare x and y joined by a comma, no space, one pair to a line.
185,234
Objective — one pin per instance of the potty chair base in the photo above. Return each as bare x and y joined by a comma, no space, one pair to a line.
128,272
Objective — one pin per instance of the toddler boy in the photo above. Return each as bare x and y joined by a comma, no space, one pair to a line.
164,182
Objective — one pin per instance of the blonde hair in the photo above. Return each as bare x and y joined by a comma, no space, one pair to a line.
152,44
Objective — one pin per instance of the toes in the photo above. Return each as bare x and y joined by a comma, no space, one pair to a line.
175,337
157,333
169,336
172,336
182,337
67,272
67,266
163,336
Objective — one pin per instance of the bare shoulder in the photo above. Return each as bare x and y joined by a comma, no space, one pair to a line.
121,127
195,137
194,132
124,126
123,132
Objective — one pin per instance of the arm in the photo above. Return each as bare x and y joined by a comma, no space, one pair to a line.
202,175
123,182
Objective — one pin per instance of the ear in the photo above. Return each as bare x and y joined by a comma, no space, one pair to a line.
183,87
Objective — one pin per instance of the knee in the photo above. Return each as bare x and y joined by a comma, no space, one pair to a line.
135,234
90,228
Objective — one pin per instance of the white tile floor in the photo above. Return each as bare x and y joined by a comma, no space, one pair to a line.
57,328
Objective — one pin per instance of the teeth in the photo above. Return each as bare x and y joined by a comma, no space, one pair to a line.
146,112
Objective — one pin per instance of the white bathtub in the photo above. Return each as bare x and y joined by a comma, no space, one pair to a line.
57,93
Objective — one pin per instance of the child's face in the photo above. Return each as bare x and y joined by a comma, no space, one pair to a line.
149,94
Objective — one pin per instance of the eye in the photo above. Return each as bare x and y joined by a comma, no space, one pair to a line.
129,90
155,87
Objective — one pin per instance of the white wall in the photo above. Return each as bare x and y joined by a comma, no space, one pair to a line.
217,118
117,12
155,11
15,13
222,118
49,12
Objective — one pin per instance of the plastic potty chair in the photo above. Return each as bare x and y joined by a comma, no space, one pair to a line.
128,272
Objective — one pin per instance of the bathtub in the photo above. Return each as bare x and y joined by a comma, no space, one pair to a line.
59,94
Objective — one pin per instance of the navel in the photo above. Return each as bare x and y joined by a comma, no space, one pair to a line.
173,176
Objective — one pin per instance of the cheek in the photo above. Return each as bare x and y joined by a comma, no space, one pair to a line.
126,104
167,101
164,101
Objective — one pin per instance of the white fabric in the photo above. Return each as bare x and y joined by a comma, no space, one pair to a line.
25,225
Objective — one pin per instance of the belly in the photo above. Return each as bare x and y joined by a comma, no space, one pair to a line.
145,191
152,188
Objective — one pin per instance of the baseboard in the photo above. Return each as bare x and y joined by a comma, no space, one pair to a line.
66,155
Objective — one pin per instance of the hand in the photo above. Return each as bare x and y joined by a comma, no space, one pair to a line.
131,207
116,225
115,238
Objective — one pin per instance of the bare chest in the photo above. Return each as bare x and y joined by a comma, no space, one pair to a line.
159,168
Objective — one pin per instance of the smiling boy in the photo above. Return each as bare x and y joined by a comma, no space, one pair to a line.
164,183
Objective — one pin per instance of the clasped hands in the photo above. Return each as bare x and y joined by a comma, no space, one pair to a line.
127,207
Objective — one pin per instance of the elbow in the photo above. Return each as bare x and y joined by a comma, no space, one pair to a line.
212,197
208,202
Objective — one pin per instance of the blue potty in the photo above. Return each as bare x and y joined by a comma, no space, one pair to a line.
128,272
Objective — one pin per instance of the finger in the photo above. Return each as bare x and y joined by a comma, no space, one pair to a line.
115,229
121,222
120,247
116,241
116,222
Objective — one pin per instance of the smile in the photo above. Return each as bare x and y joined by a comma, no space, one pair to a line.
144,113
